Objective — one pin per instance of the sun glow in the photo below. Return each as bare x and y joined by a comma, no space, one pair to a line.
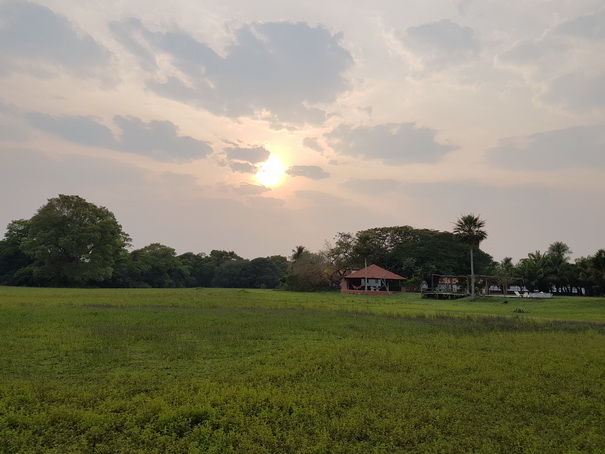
271,172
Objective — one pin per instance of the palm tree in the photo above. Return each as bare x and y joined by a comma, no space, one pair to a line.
505,271
532,270
558,266
297,253
469,230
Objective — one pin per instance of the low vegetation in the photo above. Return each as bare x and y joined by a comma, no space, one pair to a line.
259,371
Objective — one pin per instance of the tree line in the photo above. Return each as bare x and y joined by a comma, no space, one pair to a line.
70,242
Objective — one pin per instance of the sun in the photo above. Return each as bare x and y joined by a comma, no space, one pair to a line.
271,172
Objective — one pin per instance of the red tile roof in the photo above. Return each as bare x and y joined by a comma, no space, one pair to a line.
373,272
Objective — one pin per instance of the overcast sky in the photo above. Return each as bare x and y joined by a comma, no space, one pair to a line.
256,126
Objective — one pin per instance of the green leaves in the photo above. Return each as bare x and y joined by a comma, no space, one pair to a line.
469,229
73,242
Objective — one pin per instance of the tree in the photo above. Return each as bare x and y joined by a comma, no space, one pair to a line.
559,269
505,271
404,250
591,273
264,273
597,263
73,242
15,266
199,269
219,257
232,274
297,253
155,265
469,230
309,273
532,270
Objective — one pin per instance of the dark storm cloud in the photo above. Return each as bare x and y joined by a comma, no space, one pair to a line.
392,143
34,33
441,44
311,172
274,70
156,139
580,146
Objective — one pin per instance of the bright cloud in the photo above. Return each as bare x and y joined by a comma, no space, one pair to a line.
266,69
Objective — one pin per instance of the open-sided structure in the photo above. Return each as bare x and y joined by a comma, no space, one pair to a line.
372,280
453,287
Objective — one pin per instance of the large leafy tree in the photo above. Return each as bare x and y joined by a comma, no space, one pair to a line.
199,269
154,265
261,272
404,250
15,266
73,242
469,230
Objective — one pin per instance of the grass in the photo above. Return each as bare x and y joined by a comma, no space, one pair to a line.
245,371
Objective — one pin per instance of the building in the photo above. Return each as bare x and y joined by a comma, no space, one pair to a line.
372,280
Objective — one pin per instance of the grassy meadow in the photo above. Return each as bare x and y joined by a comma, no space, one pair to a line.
261,371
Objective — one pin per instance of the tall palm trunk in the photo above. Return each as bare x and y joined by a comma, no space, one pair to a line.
469,229
472,275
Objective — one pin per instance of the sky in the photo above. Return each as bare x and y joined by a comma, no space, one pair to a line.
257,126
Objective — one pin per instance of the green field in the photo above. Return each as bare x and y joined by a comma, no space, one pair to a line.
260,371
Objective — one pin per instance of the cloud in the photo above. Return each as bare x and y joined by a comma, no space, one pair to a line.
11,125
33,33
579,146
252,155
530,52
441,44
78,129
391,143
26,170
590,26
311,172
156,139
577,92
251,189
322,198
372,186
312,143
276,71
243,167
561,63
159,140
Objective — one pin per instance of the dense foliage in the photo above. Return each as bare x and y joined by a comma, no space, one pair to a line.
406,251
71,242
